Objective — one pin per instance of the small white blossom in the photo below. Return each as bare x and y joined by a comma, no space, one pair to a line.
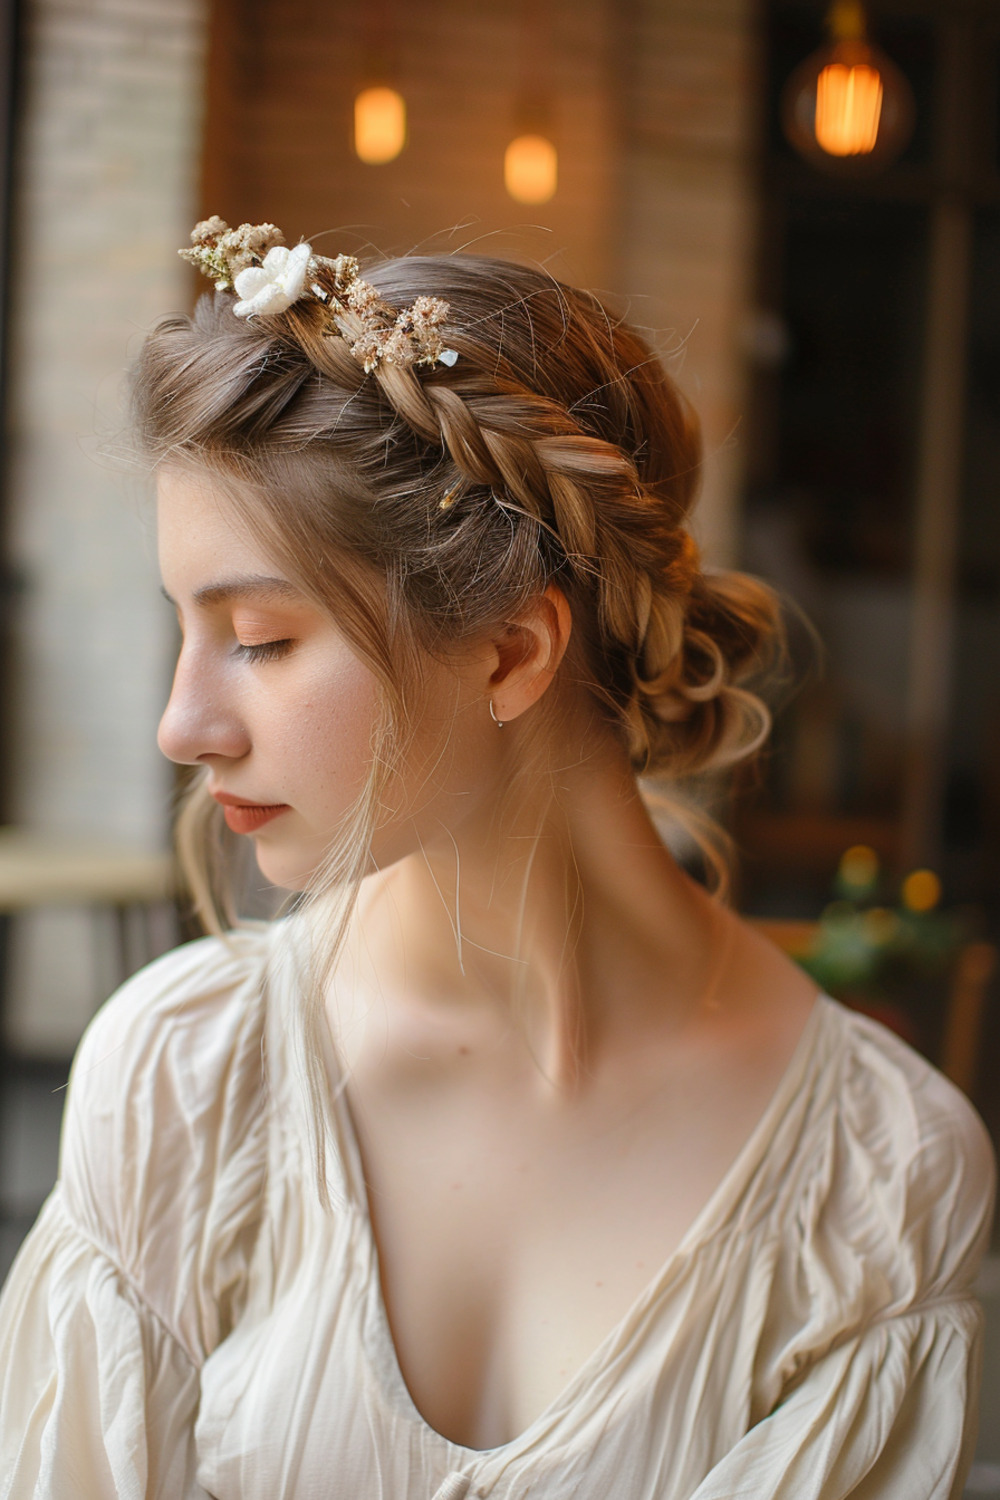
275,285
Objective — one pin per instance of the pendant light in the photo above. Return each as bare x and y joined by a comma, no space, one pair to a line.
531,169
848,108
531,162
379,107
379,124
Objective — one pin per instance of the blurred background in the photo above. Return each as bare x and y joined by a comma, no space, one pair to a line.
799,202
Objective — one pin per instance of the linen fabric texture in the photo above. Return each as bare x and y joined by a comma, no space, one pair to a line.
185,1320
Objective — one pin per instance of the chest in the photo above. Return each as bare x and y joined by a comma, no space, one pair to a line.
514,1241
308,1392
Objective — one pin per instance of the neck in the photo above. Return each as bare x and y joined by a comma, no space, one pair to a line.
567,917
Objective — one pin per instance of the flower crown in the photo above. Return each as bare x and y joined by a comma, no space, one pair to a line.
254,262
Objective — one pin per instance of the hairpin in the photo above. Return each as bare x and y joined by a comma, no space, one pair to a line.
267,277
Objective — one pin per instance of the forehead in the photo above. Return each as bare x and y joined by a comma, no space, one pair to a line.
204,549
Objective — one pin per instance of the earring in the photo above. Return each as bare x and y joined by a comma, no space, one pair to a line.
497,722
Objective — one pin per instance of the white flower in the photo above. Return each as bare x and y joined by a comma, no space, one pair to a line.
275,285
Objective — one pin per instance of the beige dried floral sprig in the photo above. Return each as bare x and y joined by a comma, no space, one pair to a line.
222,253
254,262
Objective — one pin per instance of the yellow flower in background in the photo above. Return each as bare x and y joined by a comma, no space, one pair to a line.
858,867
880,925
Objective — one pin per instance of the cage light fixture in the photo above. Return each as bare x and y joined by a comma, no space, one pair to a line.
379,124
848,108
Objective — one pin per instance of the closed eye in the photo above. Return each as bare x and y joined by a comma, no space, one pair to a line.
264,651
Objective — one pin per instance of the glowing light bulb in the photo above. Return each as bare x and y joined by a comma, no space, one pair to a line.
531,169
921,890
848,109
379,125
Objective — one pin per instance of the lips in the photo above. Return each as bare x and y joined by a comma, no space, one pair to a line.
247,817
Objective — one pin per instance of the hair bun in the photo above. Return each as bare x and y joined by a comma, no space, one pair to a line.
691,711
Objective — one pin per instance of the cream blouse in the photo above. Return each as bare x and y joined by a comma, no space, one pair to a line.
184,1320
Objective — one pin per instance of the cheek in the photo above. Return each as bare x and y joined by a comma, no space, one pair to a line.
318,750
324,738
451,762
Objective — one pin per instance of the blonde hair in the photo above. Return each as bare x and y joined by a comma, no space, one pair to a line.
422,506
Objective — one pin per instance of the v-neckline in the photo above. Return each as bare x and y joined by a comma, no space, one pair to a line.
698,1233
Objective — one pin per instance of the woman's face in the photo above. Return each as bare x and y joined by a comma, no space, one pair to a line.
269,696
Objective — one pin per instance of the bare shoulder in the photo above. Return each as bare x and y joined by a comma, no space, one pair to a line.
768,996
902,1155
764,1000
875,1063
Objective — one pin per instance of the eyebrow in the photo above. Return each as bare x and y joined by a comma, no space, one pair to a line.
247,586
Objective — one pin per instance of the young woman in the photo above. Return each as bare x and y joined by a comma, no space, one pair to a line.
509,1163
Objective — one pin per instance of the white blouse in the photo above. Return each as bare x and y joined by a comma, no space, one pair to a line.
185,1321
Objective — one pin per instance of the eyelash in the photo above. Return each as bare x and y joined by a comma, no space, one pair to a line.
265,651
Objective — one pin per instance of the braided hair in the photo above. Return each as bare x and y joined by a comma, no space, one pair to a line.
555,449
425,505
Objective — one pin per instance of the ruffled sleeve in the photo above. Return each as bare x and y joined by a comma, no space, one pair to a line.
135,1269
887,1415
872,1380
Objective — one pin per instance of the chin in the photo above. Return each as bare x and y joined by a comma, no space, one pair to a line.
292,864
282,868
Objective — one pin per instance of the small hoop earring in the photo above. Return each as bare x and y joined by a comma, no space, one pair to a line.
497,722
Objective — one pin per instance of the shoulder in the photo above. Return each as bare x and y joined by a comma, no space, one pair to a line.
203,994
905,1174
162,1153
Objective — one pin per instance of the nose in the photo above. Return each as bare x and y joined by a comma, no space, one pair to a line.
200,719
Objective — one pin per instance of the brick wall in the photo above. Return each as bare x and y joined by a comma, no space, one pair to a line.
650,108
649,105
689,92
279,129
108,156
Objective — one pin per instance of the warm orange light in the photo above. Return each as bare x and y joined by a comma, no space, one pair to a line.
379,125
530,169
921,890
848,109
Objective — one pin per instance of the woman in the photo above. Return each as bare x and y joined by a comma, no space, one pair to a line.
510,1163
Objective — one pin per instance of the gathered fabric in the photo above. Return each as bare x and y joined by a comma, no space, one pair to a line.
185,1320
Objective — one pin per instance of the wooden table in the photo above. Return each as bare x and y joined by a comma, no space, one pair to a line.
39,870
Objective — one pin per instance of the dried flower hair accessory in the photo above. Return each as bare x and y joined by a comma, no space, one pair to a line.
254,262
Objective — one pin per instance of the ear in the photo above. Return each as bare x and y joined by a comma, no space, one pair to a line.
529,650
